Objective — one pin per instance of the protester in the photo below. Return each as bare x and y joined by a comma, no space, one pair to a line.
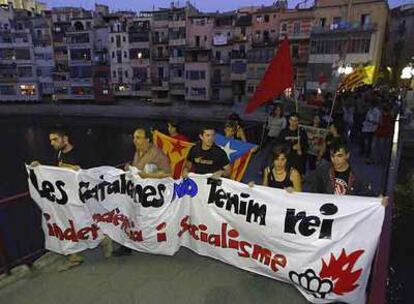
316,144
337,176
335,133
383,134
151,163
276,122
68,157
280,174
174,131
298,142
369,128
240,135
206,157
230,129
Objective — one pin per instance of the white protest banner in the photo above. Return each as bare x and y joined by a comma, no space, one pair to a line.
317,242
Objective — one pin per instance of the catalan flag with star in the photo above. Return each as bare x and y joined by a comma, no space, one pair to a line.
176,150
239,154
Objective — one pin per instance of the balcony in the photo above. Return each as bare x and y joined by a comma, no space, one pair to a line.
220,82
224,61
177,80
300,59
177,89
159,40
8,78
160,56
179,23
345,27
238,55
239,39
177,60
61,57
296,36
264,42
160,84
139,61
177,41
222,40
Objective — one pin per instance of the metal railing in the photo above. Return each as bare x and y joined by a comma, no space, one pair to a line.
379,272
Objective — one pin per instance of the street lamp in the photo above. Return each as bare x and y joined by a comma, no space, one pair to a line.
345,70
407,72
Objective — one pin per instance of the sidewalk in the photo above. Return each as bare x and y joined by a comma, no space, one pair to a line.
145,278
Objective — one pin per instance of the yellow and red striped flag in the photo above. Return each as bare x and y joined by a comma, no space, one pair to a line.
353,80
175,149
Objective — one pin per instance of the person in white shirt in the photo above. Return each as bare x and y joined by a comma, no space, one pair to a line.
369,126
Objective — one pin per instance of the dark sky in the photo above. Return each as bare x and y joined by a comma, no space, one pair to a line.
204,5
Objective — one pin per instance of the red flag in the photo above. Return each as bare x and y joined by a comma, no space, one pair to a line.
278,77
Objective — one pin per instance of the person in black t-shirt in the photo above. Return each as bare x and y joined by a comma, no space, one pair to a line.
298,142
337,177
67,157
206,157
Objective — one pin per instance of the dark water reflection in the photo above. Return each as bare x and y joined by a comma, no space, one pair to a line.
100,142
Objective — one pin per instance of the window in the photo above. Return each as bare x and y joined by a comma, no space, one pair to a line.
238,67
266,18
198,91
7,90
24,72
336,20
125,54
114,73
322,22
112,40
284,27
119,56
296,27
218,55
22,54
113,54
295,51
250,89
124,39
126,74
365,19
118,41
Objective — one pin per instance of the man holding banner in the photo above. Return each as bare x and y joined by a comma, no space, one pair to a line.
151,163
68,157
206,157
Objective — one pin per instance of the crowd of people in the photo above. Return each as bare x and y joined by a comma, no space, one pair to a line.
363,119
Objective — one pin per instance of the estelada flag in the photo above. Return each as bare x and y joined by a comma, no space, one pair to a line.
239,154
353,80
175,149
277,78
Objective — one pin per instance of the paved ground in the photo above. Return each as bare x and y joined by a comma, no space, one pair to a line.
144,278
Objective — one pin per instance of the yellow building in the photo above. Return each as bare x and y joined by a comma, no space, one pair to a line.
30,5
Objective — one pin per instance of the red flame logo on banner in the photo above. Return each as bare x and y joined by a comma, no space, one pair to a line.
341,272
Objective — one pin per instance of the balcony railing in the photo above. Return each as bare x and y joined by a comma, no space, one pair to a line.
264,42
296,35
159,40
238,55
221,61
158,56
345,27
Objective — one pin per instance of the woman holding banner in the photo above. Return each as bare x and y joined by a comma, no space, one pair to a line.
280,174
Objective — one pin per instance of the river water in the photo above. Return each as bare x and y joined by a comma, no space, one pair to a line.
99,141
